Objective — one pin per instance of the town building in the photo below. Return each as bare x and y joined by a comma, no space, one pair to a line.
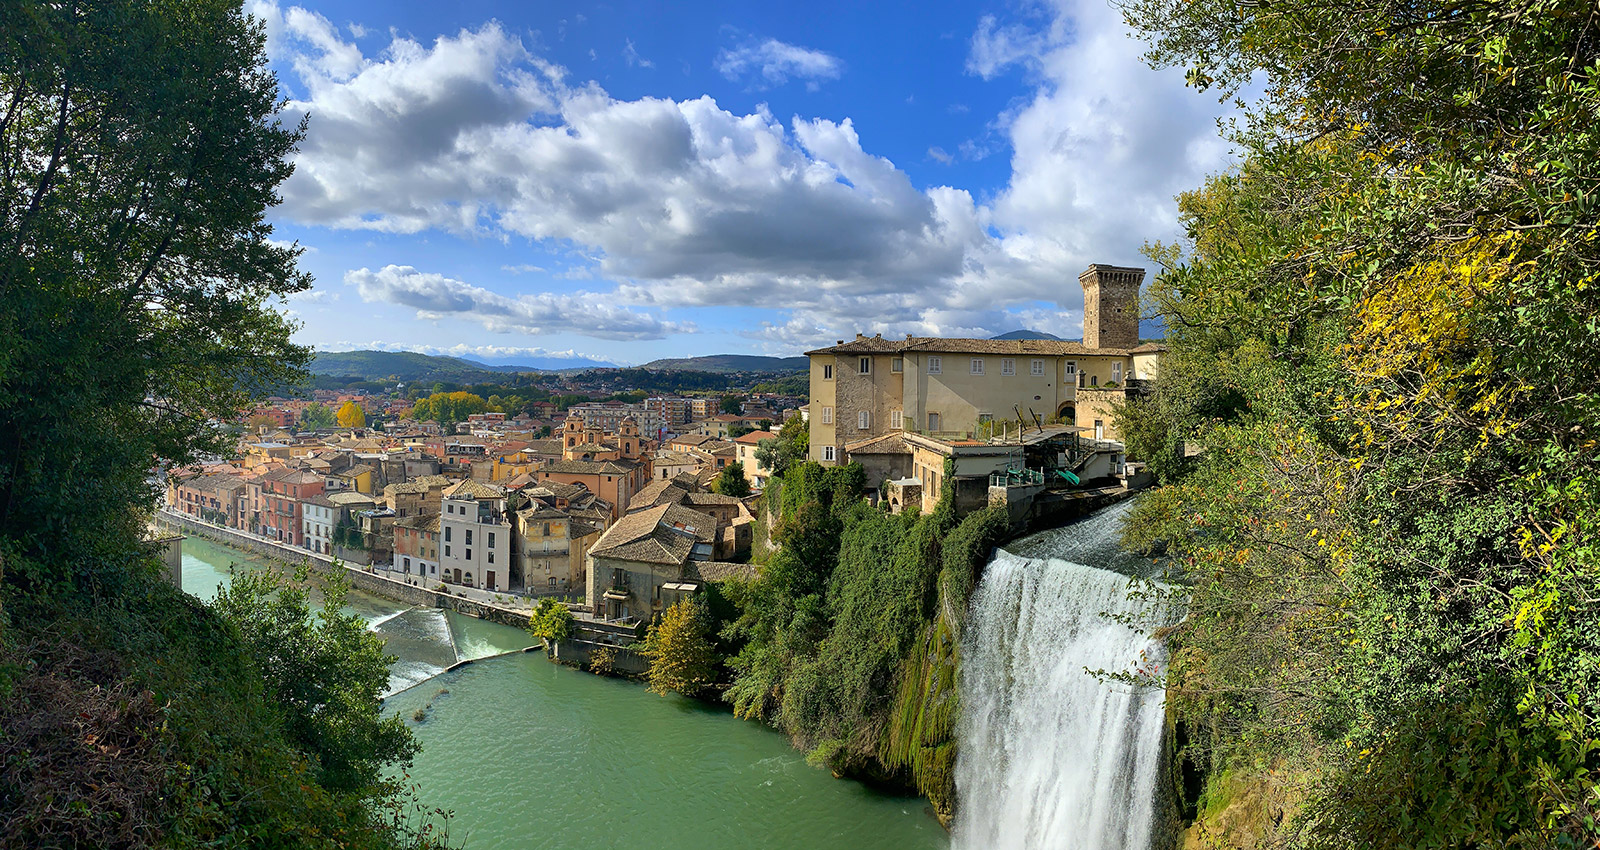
319,520
416,546
650,422
972,388
279,513
476,537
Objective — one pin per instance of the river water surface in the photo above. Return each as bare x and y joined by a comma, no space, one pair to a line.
530,754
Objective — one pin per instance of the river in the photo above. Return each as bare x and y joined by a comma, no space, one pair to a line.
531,754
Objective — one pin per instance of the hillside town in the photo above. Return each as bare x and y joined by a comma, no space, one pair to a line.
622,508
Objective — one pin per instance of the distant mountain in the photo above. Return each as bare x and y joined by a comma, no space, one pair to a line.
729,363
1025,334
400,366
538,364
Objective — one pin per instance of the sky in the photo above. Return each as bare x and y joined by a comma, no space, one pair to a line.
622,182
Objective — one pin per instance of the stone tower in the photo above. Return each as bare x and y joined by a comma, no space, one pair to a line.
1111,306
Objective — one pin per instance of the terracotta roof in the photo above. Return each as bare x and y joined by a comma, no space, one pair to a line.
754,437
591,467
712,499
1149,348
886,444
639,537
343,499
657,492
469,489
420,522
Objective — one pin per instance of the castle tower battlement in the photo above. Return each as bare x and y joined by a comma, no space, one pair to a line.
1111,306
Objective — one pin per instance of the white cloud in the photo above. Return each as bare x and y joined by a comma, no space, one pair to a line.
522,268
773,62
941,155
686,204
435,296
631,55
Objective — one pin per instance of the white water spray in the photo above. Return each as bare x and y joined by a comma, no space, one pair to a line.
1051,756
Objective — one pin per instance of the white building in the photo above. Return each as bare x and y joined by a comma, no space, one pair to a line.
317,521
475,547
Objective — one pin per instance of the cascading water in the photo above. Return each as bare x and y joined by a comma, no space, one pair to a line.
423,643
1050,755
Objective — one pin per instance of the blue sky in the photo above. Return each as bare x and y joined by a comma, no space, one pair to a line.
632,181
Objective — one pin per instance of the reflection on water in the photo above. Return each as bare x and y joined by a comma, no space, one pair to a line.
530,754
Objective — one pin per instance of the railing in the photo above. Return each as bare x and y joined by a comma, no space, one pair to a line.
1016,478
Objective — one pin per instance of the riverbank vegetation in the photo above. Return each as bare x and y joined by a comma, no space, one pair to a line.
848,638
141,147
1375,426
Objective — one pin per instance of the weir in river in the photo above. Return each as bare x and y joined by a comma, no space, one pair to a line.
1051,755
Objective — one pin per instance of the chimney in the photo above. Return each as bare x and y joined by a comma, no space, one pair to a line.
1111,306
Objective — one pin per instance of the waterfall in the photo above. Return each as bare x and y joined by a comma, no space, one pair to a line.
424,643
1052,757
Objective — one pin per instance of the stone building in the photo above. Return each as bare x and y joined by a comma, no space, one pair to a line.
476,541
974,388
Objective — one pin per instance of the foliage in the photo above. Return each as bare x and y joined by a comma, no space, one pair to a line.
449,408
325,672
731,404
679,648
352,416
731,481
317,416
790,447
798,385
140,148
550,621
1383,338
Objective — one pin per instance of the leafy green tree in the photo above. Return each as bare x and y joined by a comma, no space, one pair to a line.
325,671
679,647
136,266
449,408
731,404
1383,338
790,447
731,481
317,416
352,416
550,621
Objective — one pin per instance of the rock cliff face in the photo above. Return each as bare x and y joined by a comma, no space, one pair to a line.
1234,809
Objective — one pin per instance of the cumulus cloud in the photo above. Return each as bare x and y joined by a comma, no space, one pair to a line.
773,62
687,204
435,296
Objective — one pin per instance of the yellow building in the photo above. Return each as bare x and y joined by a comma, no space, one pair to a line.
872,386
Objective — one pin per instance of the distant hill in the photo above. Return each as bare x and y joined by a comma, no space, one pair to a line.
1025,334
399,365
729,363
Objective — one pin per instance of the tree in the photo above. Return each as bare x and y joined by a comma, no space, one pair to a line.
551,621
731,481
352,416
449,408
678,646
325,670
790,447
1383,335
731,404
738,429
137,271
317,416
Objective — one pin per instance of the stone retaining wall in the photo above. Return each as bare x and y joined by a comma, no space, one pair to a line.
388,588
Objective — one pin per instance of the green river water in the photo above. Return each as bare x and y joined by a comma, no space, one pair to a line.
530,754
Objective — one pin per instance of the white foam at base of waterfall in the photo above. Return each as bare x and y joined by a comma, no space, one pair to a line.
1050,755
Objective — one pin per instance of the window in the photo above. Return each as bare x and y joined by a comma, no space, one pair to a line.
864,420
491,557
1036,368
866,366
1072,367
447,535
935,364
1094,380
828,453
449,508
898,364
897,419
408,565
977,365
468,556
491,540
1116,373
447,551
1008,367
933,421
827,372
985,418
434,568
827,416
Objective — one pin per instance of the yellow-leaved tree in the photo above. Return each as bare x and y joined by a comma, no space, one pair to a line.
352,416
680,652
